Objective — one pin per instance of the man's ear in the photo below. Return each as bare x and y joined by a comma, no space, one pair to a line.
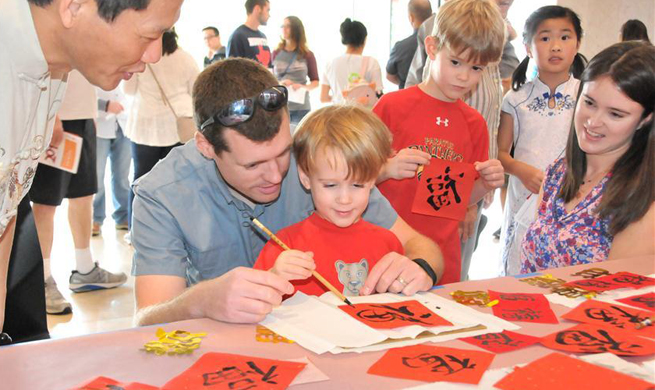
69,11
431,44
304,179
204,146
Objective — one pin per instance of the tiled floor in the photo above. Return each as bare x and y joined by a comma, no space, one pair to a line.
108,310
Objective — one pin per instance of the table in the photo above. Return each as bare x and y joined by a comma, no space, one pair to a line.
64,363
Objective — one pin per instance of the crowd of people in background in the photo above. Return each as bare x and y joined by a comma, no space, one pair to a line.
574,140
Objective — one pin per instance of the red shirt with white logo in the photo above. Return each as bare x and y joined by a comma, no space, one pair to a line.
448,131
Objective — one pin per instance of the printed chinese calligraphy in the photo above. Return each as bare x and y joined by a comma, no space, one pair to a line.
236,372
506,341
394,315
558,371
523,307
444,189
586,338
611,316
432,364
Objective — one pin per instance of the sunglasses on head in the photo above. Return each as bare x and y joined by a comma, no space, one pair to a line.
242,110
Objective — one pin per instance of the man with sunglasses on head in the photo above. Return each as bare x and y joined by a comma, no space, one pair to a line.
192,231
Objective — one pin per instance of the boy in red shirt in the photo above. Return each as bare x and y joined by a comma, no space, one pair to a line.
339,151
431,121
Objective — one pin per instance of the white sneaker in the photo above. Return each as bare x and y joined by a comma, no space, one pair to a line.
54,301
96,279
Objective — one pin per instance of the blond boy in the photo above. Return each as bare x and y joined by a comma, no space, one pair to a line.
431,121
339,151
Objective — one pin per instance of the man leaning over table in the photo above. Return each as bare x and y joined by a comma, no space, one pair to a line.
41,41
192,234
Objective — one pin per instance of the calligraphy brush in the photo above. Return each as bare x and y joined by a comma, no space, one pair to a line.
314,273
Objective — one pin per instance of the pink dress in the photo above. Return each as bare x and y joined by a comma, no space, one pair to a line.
559,239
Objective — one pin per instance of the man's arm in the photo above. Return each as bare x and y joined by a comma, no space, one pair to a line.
6,242
242,295
397,273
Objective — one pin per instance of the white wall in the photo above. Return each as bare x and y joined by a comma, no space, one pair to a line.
602,20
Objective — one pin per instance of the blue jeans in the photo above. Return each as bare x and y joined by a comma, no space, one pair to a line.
118,151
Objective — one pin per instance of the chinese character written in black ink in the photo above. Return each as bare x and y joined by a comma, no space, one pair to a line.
440,187
389,313
450,365
620,318
602,342
636,280
516,297
237,378
497,339
594,283
648,301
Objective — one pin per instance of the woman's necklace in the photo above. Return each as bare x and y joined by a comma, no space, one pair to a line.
591,179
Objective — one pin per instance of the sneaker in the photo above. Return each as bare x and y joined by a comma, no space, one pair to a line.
121,226
95,229
54,301
97,279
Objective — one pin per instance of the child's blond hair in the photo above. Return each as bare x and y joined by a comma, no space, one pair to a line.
474,25
352,131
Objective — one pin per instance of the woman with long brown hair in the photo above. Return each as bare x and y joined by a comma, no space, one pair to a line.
294,64
598,202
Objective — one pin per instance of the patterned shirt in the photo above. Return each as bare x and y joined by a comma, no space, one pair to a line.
559,238
29,100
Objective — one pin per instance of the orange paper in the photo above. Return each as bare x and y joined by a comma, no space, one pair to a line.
523,307
557,371
506,341
433,364
227,371
104,383
645,301
444,189
586,338
394,315
612,316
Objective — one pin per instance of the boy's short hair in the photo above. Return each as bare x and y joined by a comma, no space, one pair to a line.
229,80
355,132
476,25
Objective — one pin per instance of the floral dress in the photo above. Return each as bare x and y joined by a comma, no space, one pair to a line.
559,239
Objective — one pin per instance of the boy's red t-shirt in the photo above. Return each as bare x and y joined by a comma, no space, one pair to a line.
448,131
343,256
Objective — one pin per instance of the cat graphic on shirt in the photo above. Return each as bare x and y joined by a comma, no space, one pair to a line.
352,275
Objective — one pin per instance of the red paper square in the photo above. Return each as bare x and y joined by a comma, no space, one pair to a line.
644,301
506,341
586,338
444,189
227,371
628,279
611,316
433,364
557,371
104,383
394,315
522,307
